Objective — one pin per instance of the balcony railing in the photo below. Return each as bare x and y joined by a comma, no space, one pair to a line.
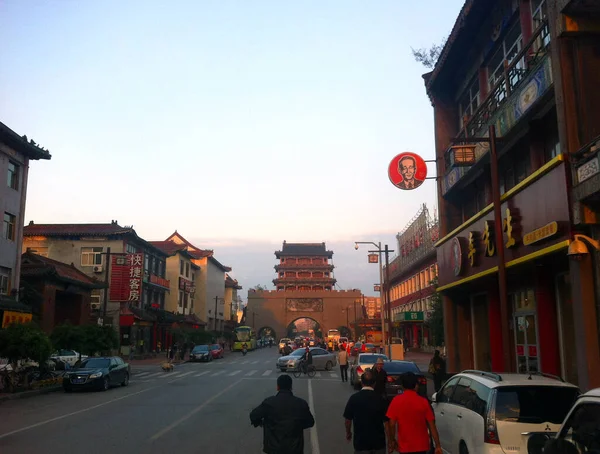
303,265
523,68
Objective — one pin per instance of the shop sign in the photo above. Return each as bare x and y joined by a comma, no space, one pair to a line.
10,317
377,288
411,316
186,286
547,231
457,257
154,279
588,170
126,275
373,258
520,350
533,351
407,171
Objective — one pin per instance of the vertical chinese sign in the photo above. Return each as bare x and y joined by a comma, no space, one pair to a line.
126,278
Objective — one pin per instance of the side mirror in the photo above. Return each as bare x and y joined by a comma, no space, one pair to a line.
434,398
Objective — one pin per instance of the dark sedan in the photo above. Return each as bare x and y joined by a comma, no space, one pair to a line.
394,370
97,373
201,353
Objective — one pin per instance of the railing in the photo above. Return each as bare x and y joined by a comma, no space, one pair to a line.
312,279
303,265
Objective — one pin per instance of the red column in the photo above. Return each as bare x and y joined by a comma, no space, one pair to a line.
494,316
547,320
525,19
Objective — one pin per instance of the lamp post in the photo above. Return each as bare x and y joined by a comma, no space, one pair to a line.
385,301
217,300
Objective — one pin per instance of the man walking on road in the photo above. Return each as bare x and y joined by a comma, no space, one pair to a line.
380,376
284,418
343,360
366,411
411,417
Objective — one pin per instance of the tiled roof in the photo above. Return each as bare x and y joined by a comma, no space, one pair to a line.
75,229
232,283
198,253
21,144
193,319
304,249
33,265
169,247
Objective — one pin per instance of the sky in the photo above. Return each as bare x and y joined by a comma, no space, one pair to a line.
240,124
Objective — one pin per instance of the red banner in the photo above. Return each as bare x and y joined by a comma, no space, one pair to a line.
126,277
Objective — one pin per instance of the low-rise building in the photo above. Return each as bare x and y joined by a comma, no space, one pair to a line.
232,301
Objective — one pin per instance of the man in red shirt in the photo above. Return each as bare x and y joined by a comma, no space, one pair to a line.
411,416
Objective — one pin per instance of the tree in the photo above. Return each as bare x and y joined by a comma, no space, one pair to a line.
428,57
345,331
259,288
99,339
436,320
68,336
24,341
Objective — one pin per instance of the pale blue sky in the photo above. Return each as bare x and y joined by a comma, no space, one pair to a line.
238,123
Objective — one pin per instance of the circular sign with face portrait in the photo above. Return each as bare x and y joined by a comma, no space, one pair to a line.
407,171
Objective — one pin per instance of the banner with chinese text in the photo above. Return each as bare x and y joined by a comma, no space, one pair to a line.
9,317
126,277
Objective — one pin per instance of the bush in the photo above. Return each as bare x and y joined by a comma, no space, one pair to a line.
24,341
99,339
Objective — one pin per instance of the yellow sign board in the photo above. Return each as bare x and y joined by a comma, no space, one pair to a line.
541,234
10,317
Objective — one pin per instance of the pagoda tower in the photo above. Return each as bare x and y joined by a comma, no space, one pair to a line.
304,267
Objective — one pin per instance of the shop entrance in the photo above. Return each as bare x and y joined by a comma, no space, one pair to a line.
481,332
526,331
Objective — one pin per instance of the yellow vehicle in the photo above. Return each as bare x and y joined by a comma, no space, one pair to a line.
244,335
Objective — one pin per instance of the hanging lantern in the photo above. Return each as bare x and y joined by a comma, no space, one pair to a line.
377,288
462,155
373,258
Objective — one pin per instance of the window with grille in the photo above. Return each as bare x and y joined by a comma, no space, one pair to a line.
91,256
13,175
469,101
507,50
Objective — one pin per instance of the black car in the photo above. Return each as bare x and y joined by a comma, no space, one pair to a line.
97,373
394,370
200,353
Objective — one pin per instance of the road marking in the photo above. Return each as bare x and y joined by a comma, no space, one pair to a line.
267,372
142,374
268,362
193,412
254,362
58,418
201,373
235,372
187,373
333,375
245,362
252,372
318,374
217,373
154,375
169,374
314,437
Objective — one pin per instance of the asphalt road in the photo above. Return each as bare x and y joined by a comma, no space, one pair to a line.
197,408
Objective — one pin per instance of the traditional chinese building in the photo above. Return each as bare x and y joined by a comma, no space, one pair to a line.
16,152
412,279
372,306
232,302
304,267
513,301
135,272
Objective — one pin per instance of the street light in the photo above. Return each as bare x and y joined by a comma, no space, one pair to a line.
385,304
217,300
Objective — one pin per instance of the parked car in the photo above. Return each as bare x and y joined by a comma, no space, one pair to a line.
370,348
216,351
283,342
487,413
356,349
201,353
322,359
97,373
363,362
581,426
68,356
394,370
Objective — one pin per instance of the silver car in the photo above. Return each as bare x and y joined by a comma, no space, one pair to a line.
322,359
364,361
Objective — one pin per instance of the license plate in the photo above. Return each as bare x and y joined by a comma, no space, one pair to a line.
78,380
400,391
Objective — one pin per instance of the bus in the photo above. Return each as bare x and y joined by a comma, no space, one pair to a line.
333,335
244,335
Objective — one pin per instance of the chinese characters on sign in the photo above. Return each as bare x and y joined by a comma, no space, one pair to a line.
10,317
540,234
135,276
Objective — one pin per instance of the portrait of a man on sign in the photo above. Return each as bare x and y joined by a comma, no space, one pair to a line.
407,171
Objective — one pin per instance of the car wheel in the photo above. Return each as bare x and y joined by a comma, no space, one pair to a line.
462,449
126,381
105,384
329,365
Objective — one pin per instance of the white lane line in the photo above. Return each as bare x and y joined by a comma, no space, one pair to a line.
318,374
58,418
254,362
245,362
267,372
252,372
235,372
201,373
314,437
333,375
169,375
193,412
217,373
142,374
154,375
268,362
187,373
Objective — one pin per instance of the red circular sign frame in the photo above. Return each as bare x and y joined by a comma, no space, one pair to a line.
416,173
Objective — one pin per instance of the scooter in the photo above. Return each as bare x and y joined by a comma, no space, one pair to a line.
244,351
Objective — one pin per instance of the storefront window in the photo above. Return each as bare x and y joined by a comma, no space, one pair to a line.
526,336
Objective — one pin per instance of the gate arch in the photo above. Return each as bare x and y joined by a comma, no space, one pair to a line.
304,326
267,331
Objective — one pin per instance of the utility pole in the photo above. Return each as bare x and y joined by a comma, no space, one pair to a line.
387,298
107,283
355,323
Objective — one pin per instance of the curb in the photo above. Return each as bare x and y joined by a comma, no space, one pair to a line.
32,393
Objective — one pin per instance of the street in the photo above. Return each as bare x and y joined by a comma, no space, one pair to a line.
197,408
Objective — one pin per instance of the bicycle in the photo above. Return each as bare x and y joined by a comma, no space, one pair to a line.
310,370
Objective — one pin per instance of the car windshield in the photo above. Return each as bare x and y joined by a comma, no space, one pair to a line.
200,348
400,367
95,363
284,340
535,404
370,345
298,352
215,347
371,359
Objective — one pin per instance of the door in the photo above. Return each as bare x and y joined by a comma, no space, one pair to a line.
526,331
481,332
443,411
113,371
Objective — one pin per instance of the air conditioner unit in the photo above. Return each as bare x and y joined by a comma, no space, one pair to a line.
98,269
95,306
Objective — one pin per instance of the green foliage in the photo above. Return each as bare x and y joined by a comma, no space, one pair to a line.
428,57
24,341
344,331
436,320
68,336
198,337
99,339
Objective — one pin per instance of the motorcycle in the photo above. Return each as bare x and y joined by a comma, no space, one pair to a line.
244,351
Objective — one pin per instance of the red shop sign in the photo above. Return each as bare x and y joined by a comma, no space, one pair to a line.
520,350
533,351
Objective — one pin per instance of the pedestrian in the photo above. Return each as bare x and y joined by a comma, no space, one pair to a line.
411,419
367,413
283,418
380,378
343,361
437,368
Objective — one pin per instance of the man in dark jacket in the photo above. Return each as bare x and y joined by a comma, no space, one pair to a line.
380,377
284,418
